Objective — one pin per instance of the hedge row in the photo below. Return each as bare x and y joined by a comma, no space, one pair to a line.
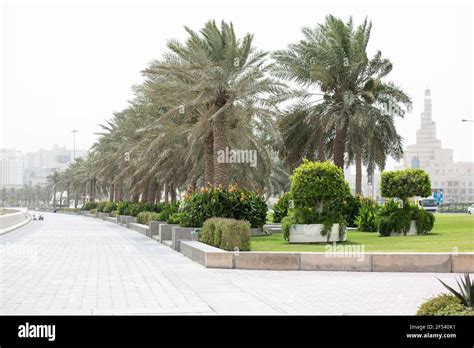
227,234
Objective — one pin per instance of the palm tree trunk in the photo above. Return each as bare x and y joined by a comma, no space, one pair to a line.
209,159
118,192
358,178
321,149
167,193
92,199
61,199
158,193
221,170
152,186
340,145
145,192
111,192
173,194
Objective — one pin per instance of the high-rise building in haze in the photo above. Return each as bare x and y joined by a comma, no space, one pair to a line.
11,168
455,179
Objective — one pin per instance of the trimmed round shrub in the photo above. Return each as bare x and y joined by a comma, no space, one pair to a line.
406,183
227,234
314,184
319,193
443,305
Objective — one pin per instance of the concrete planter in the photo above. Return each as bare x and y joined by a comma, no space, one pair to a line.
130,220
155,227
255,232
180,233
311,233
165,232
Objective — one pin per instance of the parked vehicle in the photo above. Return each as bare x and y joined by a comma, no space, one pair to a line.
470,209
428,204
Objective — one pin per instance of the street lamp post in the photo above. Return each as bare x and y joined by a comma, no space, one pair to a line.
74,145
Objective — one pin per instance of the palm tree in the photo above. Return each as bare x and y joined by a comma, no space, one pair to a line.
54,183
211,74
331,64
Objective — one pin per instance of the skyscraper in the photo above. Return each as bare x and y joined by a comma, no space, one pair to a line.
454,178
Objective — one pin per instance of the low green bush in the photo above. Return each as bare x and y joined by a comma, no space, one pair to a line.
443,304
145,217
226,234
391,217
114,213
89,205
423,219
280,210
122,207
93,211
101,206
110,207
366,219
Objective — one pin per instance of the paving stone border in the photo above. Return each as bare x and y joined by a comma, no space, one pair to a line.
180,239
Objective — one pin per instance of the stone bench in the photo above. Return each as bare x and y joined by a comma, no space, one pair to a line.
206,255
143,229
155,228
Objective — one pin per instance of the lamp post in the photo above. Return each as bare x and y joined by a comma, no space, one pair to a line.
74,145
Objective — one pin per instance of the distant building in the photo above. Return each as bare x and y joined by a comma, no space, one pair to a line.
11,168
40,164
454,178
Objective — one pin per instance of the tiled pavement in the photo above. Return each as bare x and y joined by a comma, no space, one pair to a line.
71,264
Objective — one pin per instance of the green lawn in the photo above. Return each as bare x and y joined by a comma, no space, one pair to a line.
450,231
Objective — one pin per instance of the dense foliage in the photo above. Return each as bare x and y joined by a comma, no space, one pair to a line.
280,209
444,304
319,193
145,217
227,234
406,183
392,218
233,203
366,219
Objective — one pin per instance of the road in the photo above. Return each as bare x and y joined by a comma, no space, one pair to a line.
70,264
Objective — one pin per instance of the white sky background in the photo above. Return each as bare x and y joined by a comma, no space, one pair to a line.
71,65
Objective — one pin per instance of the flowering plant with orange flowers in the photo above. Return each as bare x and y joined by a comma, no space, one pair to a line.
233,202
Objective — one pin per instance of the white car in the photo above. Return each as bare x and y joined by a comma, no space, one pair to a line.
470,209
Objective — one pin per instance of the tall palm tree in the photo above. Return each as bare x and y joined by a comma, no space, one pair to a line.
332,66
210,74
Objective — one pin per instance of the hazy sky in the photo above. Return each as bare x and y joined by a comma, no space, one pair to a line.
71,65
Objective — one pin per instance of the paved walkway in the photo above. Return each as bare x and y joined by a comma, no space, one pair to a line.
71,264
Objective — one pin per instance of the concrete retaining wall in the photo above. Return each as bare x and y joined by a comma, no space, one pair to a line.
306,261
13,221
143,229
206,255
